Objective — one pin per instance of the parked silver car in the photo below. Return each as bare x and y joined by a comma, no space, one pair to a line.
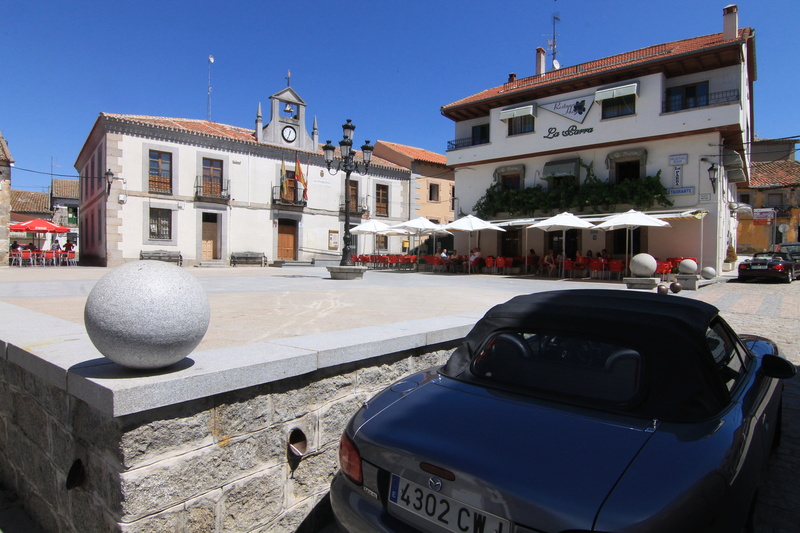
571,411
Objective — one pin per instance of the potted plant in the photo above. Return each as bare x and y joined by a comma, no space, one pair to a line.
730,259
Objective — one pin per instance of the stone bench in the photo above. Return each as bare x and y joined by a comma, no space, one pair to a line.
248,258
162,255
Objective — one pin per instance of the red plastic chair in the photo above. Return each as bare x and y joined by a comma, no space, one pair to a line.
500,265
663,268
568,267
617,267
596,267
490,266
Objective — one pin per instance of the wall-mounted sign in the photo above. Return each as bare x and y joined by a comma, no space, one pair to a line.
679,159
705,197
677,176
681,191
552,133
764,213
574,109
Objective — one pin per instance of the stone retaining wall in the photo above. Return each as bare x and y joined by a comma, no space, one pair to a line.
220,463
241,439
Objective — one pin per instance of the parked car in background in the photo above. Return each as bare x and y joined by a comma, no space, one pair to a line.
783,266
582,410
791,248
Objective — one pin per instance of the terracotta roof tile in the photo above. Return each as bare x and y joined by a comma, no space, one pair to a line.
774,174
593,68
66,188
223,131
418,154
30,202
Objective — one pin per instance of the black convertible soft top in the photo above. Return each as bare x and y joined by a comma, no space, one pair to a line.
681,381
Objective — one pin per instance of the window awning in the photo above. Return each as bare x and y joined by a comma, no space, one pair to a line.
562,167
616,92
736,175
514,112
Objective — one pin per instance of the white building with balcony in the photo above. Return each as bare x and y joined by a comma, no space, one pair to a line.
585,138
208,190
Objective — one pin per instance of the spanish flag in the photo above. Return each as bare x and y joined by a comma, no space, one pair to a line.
298,175
284,182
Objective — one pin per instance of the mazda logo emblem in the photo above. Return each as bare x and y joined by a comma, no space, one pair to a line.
435,484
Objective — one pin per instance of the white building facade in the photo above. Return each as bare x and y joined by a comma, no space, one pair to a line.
673,110
208,190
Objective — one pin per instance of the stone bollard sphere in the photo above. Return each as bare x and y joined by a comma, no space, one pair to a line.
662,288
708,273
675,287
643,265
147,314
687,266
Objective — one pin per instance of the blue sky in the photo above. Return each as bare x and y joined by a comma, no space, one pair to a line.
387,65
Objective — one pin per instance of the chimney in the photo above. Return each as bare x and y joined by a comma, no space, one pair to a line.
730,22
512,78
540,60
259,125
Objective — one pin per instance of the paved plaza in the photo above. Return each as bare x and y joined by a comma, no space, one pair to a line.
254,304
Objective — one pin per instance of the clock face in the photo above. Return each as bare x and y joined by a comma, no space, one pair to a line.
289,134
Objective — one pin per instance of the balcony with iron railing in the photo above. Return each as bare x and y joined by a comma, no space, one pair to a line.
681,102
358,206
212,190
466,142
293,196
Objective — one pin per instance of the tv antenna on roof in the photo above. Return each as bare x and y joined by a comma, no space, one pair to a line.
552,43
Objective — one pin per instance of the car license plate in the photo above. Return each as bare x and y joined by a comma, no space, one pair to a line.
759,267
447,513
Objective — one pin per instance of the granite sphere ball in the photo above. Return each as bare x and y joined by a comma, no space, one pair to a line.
675,287
708,273
662,288
687,266
643,265
147,314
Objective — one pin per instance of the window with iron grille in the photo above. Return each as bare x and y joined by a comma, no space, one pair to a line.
620,106
160,224
382,200
160,180
523,124
381,242
212,177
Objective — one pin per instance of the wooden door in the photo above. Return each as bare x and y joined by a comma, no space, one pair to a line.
287,240
209,247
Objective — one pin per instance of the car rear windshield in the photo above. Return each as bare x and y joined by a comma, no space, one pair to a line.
561,366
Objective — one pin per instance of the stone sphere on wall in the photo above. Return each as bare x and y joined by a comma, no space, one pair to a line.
687,266
708,273
147,314
643,265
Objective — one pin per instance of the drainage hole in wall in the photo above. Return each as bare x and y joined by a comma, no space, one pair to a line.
76,475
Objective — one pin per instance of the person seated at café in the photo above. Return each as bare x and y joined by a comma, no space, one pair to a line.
475,258
604,255
31,246
533,261
549,263
14,246
69,246
56,246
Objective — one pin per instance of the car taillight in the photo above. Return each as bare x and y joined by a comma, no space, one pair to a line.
350,460
779,266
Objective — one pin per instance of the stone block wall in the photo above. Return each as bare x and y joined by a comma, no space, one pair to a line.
212,464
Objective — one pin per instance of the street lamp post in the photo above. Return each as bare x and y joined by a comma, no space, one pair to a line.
348,164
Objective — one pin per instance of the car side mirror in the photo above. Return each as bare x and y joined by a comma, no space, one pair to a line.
777,367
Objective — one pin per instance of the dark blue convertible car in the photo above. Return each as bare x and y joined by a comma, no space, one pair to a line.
571,411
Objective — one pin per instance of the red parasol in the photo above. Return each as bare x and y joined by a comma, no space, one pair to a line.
38,225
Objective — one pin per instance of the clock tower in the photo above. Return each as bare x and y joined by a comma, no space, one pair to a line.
287,123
